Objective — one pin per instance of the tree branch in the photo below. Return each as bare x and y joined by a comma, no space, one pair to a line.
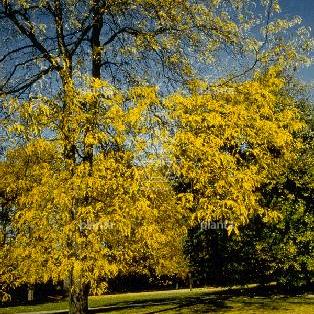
12,16
33,79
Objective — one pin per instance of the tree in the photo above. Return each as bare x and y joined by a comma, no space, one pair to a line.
265,250
287,246
125,42
56,59
85,212
228,143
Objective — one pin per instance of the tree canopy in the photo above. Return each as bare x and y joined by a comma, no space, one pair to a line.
91,212
129,42
93,92
230,143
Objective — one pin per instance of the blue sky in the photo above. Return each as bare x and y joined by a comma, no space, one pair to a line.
305,9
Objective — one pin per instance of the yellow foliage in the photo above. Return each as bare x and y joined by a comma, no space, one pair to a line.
83,205
230,142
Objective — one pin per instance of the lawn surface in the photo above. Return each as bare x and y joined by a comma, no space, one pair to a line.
187,302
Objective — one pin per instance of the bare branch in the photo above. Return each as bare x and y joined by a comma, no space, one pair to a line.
33,79
29,33
14,51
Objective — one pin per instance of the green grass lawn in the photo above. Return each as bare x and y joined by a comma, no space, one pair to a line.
186,302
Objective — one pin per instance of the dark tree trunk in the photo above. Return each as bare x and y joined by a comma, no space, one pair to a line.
78,300
95,41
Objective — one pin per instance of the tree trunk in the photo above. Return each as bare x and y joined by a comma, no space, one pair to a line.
95,41
78,299
190,281
30,293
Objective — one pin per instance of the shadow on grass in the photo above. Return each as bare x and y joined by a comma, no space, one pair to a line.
193,304
262,299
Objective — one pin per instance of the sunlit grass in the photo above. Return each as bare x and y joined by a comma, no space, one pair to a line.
184,302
